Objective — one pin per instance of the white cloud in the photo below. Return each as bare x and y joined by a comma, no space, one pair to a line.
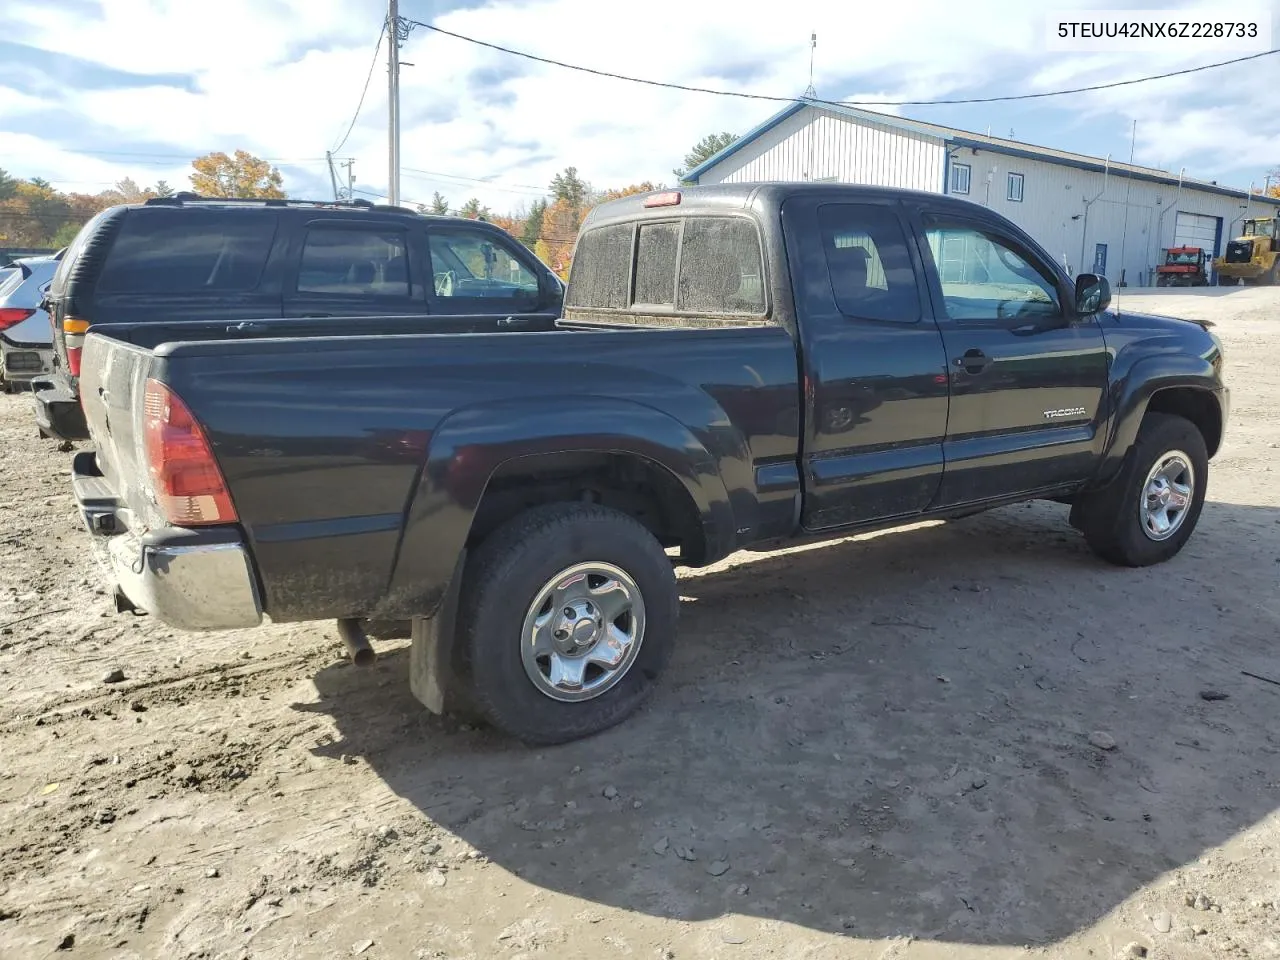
281,79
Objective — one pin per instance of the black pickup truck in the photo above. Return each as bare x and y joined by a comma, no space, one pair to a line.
736,365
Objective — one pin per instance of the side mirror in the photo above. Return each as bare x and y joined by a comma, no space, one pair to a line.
1093,293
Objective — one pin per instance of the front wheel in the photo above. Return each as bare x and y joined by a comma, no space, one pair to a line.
1149,511
567,618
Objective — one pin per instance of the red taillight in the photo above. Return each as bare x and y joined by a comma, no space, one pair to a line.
73,339
184,475
668,198
12,316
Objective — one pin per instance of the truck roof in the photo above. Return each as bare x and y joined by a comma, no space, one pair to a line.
717,198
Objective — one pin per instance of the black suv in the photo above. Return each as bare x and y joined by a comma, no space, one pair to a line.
188,258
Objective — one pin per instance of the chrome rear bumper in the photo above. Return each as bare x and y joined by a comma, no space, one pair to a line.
190,579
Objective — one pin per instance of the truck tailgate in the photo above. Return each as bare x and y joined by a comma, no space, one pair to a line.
112,384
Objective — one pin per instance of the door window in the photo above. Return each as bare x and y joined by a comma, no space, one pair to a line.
344,261
472,264
868,262
983,277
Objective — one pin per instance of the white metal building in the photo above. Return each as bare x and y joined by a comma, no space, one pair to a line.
1074,205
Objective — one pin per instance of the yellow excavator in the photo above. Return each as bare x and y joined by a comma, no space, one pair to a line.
1252,257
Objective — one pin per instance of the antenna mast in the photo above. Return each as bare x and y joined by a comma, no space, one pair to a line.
811,90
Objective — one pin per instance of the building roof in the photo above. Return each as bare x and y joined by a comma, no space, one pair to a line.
953,136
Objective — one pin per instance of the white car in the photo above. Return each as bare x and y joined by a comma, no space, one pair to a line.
26,335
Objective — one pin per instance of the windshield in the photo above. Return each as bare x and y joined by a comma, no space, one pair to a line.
1179,257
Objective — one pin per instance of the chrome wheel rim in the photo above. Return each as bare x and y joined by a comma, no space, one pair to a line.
582,632
1167,495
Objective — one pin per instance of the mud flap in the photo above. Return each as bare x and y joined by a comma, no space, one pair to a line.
432,678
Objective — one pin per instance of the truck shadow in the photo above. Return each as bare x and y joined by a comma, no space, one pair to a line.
891,736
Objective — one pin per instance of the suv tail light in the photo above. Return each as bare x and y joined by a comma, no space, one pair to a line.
74,331
12,316
184,474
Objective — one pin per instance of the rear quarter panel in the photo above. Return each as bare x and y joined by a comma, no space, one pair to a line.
334,448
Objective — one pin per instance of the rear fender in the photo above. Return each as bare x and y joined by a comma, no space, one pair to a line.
1132,395
472,444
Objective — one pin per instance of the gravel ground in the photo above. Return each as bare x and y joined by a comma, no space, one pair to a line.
963,740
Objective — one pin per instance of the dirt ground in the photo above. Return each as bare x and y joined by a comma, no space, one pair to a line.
879,747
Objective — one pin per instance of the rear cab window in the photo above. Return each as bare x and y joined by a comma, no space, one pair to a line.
188,251
703,266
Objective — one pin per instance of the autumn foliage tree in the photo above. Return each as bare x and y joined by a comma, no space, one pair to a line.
34,214
240,175
559,233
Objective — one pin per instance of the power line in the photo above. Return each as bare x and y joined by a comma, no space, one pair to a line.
833,103
449,179
184,156
382,32
370,193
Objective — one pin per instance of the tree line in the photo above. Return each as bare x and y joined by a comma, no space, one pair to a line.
35,214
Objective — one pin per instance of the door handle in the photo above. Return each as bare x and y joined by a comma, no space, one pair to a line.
973,361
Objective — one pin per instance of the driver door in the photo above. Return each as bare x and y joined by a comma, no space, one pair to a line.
1027,374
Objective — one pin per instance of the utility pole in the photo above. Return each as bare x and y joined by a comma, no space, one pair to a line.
350,164
393,96
333,177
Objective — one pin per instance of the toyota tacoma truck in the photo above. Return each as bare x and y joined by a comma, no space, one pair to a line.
736,366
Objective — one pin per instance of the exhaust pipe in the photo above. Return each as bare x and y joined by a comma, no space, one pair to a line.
357,642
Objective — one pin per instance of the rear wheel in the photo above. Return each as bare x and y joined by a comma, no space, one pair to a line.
567,618
1149,511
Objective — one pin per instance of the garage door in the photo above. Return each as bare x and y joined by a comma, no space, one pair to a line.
1195,230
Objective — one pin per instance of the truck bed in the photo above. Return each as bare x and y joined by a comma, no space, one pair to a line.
337,445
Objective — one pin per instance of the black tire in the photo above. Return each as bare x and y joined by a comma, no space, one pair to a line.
505,575
1111,518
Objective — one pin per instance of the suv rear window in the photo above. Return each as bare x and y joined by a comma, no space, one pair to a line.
699,265
184,251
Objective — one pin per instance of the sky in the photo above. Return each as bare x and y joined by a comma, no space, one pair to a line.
92,91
